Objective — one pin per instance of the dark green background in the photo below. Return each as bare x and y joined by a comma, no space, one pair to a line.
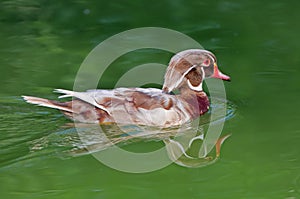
42,44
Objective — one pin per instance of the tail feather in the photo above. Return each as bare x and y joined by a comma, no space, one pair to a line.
67,93
47,103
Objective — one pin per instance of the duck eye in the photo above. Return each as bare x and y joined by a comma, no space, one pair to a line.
206,62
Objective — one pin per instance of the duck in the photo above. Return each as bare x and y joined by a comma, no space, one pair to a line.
185,74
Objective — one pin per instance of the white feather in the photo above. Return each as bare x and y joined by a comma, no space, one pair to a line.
84,96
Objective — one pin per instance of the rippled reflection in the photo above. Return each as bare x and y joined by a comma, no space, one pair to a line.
184,146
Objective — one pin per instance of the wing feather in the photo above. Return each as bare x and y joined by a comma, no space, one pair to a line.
88,97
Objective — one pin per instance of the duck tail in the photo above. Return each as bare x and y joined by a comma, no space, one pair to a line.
63,106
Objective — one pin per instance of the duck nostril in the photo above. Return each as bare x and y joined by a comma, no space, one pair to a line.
219,75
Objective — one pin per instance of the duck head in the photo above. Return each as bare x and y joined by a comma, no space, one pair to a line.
188,69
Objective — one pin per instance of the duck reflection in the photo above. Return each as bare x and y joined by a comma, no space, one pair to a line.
184,145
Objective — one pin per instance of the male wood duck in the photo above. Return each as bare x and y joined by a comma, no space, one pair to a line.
146,106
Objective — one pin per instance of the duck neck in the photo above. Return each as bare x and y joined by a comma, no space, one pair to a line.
197,101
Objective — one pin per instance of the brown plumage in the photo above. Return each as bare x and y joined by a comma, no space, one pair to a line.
154,107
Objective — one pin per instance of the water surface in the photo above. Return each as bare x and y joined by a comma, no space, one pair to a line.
42,45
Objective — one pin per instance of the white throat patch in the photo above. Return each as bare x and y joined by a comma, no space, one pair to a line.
195,88
199,87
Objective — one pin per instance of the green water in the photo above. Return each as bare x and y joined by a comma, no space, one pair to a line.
43,43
